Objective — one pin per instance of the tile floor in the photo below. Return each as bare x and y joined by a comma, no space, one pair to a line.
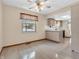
39,50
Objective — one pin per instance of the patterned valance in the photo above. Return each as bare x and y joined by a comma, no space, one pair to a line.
25,16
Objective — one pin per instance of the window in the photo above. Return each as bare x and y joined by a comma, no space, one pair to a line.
28,26
28,22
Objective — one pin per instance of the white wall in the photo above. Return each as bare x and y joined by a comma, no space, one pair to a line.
67,28
0,25
12,27
75,27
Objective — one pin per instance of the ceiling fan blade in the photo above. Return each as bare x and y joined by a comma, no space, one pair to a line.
48,6
29,0
30,7
45,0
32,0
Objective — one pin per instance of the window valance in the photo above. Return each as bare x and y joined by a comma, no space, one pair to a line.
28,16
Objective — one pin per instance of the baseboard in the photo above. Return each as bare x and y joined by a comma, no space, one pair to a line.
52,41
67,37
22,43
1,51
26,43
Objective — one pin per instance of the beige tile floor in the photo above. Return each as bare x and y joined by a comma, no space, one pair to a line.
39,50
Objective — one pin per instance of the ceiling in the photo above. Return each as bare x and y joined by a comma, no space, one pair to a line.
61,16
55,4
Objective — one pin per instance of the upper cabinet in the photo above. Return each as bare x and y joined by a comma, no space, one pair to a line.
52,22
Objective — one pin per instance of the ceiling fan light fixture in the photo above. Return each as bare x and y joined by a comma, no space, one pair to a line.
42,3
39,5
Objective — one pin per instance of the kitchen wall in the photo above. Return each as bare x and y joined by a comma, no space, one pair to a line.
13,29
60,15
75,27
0,25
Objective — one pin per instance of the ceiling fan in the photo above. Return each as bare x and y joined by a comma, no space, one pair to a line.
39,5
